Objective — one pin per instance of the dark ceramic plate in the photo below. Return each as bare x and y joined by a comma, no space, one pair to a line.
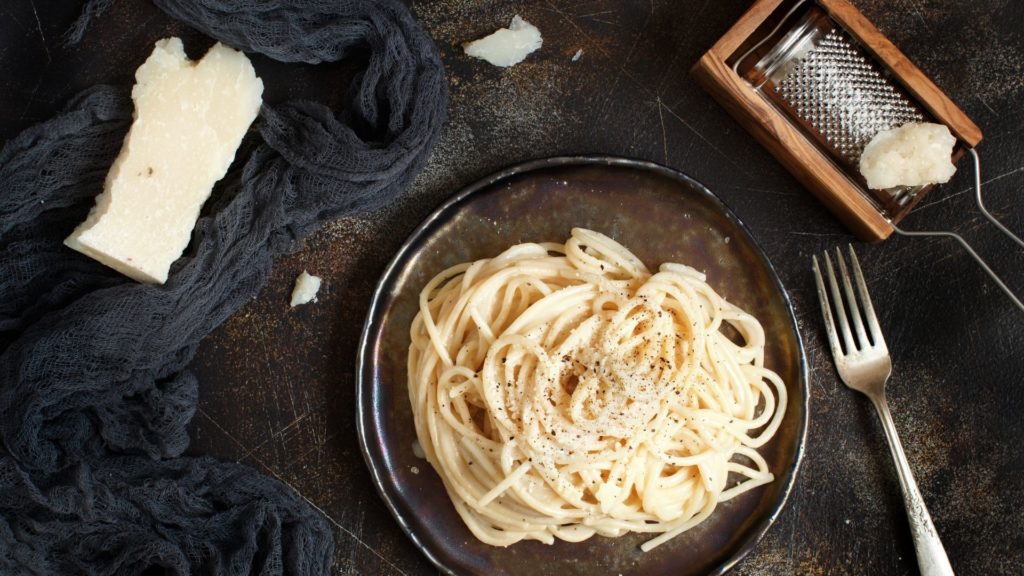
662,216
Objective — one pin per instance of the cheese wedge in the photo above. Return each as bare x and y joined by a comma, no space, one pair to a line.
189,120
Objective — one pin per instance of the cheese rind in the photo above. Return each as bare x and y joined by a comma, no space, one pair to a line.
190,117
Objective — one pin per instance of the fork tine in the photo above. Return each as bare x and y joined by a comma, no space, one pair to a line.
869,309
851,298
826,311
844,324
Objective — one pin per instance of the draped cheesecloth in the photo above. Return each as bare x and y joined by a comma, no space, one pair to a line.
95,391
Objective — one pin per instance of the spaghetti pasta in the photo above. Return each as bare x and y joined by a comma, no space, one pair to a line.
562,391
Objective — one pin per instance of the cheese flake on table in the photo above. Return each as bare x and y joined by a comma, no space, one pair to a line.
306,287
189,120
507,46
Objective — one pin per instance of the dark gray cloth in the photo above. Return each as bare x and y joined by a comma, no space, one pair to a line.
95,391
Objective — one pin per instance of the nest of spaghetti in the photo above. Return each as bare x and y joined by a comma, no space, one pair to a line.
563,391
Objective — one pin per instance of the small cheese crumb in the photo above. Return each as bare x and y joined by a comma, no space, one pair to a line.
189,120
306,287
417,450
915,154
507,46
414,470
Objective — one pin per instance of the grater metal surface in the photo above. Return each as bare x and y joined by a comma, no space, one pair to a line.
844,96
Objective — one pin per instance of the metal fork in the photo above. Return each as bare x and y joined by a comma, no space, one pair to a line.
863,362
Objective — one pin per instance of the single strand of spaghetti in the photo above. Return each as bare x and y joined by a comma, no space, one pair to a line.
754,479
752,348
754,476
605,300
755,457
448,376
747,486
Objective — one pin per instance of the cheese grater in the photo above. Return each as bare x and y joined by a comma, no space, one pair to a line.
822,80
814,82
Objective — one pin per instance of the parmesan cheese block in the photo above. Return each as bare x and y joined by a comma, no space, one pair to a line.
189,120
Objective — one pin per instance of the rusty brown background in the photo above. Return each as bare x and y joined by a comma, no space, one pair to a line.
277,384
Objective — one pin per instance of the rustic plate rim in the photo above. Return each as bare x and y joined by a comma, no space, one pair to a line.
381,299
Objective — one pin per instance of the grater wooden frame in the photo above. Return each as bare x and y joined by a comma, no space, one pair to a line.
789,144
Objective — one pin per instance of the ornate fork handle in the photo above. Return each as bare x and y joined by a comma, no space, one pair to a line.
931,556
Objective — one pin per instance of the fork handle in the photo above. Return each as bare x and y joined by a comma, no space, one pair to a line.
931,556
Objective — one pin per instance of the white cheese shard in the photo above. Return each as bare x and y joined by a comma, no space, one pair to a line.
306,287
915,154
507,46
189,120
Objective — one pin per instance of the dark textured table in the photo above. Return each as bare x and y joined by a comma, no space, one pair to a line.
277,384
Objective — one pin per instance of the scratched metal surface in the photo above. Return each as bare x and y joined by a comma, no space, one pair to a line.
277,384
